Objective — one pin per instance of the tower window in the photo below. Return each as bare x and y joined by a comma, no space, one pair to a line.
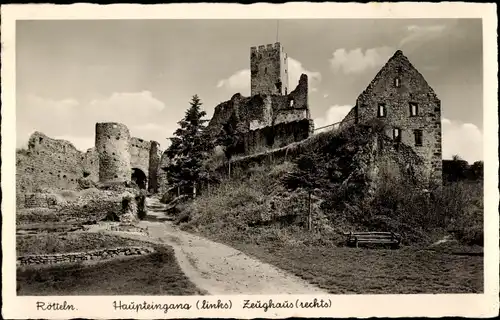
397,82
418,138
265,70
291,103
286,90
396,134
381,110
413,109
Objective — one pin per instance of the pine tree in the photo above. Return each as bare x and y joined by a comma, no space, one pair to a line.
189,148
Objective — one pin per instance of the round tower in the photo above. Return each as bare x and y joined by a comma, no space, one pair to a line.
112,142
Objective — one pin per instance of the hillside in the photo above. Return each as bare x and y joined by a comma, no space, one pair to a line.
355,185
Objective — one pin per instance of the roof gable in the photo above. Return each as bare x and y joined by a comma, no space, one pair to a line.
398,63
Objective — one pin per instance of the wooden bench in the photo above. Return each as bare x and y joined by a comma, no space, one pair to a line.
385,238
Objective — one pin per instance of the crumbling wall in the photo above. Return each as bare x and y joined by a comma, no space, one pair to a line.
91,165
48,164
266,121
113,146
139,154
154,163
397,86
162,173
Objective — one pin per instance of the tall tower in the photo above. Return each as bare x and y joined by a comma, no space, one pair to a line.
112,141
269,70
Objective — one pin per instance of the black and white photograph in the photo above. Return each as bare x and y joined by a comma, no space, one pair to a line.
247,156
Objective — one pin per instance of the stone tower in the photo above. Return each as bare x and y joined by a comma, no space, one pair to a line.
112,142
269,70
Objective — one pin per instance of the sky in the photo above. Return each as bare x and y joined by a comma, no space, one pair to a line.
71,74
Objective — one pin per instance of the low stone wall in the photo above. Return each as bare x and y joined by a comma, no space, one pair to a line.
72,257
124,228
36,200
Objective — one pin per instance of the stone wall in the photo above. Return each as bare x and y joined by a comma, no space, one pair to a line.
266,121
154,164
73,257
113,146
36,200
50,164
269,70
395,88
139,154
162,173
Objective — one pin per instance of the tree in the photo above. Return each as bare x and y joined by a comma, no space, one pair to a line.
229,138
189,148
477,170
309,175
457,168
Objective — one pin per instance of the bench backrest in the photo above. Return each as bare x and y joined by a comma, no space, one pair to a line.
373,235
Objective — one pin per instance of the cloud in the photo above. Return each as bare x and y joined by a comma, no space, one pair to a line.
125,106
325,95
75,121
417,33
296,69
334,114
240,80
356,61
463,139
152,131
81,143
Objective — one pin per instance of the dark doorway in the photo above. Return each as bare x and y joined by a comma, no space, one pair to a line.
139,178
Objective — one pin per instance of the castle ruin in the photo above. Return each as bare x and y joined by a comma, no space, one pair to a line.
117,158
272,117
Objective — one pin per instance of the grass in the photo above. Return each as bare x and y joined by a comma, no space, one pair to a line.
155,274
365,271
71,242
237,205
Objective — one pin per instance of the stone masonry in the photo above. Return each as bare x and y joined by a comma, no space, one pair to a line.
269,70
50,164
272,116
401,99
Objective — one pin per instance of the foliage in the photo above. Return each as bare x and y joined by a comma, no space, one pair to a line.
189,148
229,138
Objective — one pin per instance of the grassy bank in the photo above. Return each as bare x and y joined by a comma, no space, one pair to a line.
155,274
263,217
46,243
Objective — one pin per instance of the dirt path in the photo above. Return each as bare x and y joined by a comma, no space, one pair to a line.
217,268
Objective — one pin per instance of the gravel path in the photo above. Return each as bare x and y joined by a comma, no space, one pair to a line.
217,268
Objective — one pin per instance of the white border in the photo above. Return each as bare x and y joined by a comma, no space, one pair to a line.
474,305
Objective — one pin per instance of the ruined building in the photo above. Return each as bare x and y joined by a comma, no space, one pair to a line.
401,99
116,158
273,116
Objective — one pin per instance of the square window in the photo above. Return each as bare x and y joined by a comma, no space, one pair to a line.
381,110
418,138
413,109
